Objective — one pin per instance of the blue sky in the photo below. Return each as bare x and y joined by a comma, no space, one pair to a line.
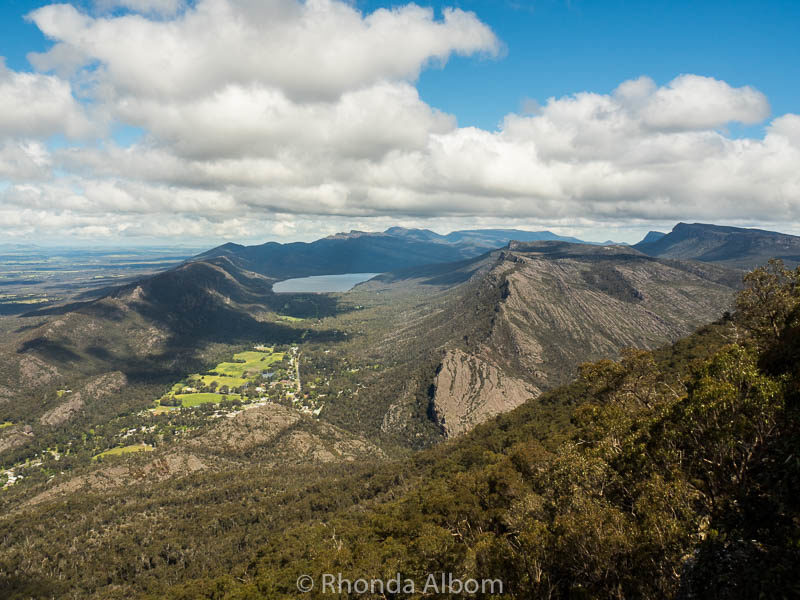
719,77
559,47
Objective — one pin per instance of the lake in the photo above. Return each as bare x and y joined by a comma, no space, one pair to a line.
321,283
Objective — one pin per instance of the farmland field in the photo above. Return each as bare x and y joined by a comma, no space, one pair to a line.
189,400
126,450
240,371
221,380
249,361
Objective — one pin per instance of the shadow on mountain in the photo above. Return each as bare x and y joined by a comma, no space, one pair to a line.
49,349
395,249
153,328
448,274
29,327
62,309
16,308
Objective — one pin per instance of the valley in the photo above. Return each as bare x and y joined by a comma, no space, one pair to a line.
178,383
390,300
247,377
406,359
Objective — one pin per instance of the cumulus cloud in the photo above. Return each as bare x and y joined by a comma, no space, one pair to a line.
254,120
33,104
316,49
24,160
694,102
295,118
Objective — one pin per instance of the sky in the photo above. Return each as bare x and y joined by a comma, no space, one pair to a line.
197,122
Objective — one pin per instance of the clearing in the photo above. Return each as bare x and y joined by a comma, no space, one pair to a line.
244,369
189,400
125,450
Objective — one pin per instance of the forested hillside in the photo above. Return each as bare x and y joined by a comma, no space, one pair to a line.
671,473
677,477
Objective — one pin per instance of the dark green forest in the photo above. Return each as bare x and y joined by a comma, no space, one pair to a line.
667,474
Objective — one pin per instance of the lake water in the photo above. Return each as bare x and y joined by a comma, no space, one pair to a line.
321,283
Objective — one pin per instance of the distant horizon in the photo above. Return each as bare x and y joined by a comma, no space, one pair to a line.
198,246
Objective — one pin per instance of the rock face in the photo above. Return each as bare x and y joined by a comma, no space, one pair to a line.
560,312
544,308
12,437
281,435
469,391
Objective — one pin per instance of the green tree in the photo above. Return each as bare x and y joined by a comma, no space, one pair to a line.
770,301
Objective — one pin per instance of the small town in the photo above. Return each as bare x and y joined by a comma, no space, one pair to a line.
262,374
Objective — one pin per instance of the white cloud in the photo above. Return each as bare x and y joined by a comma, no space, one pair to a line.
26,160
694,102
254,120
32,104
315,49
786,128
295,118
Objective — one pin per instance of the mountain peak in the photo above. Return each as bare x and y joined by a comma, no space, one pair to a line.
352,234
737,247
653,236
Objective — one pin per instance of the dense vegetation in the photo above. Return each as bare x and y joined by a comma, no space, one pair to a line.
680,479
672,473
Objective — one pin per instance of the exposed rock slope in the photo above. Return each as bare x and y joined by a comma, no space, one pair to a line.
529,315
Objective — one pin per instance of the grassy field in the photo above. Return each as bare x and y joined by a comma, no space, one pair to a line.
125,450
189,400
230,381
245,366
251,361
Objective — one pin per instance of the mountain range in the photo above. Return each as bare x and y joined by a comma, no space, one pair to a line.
668,473
371,252
399,248
734,247
458,341
538,308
